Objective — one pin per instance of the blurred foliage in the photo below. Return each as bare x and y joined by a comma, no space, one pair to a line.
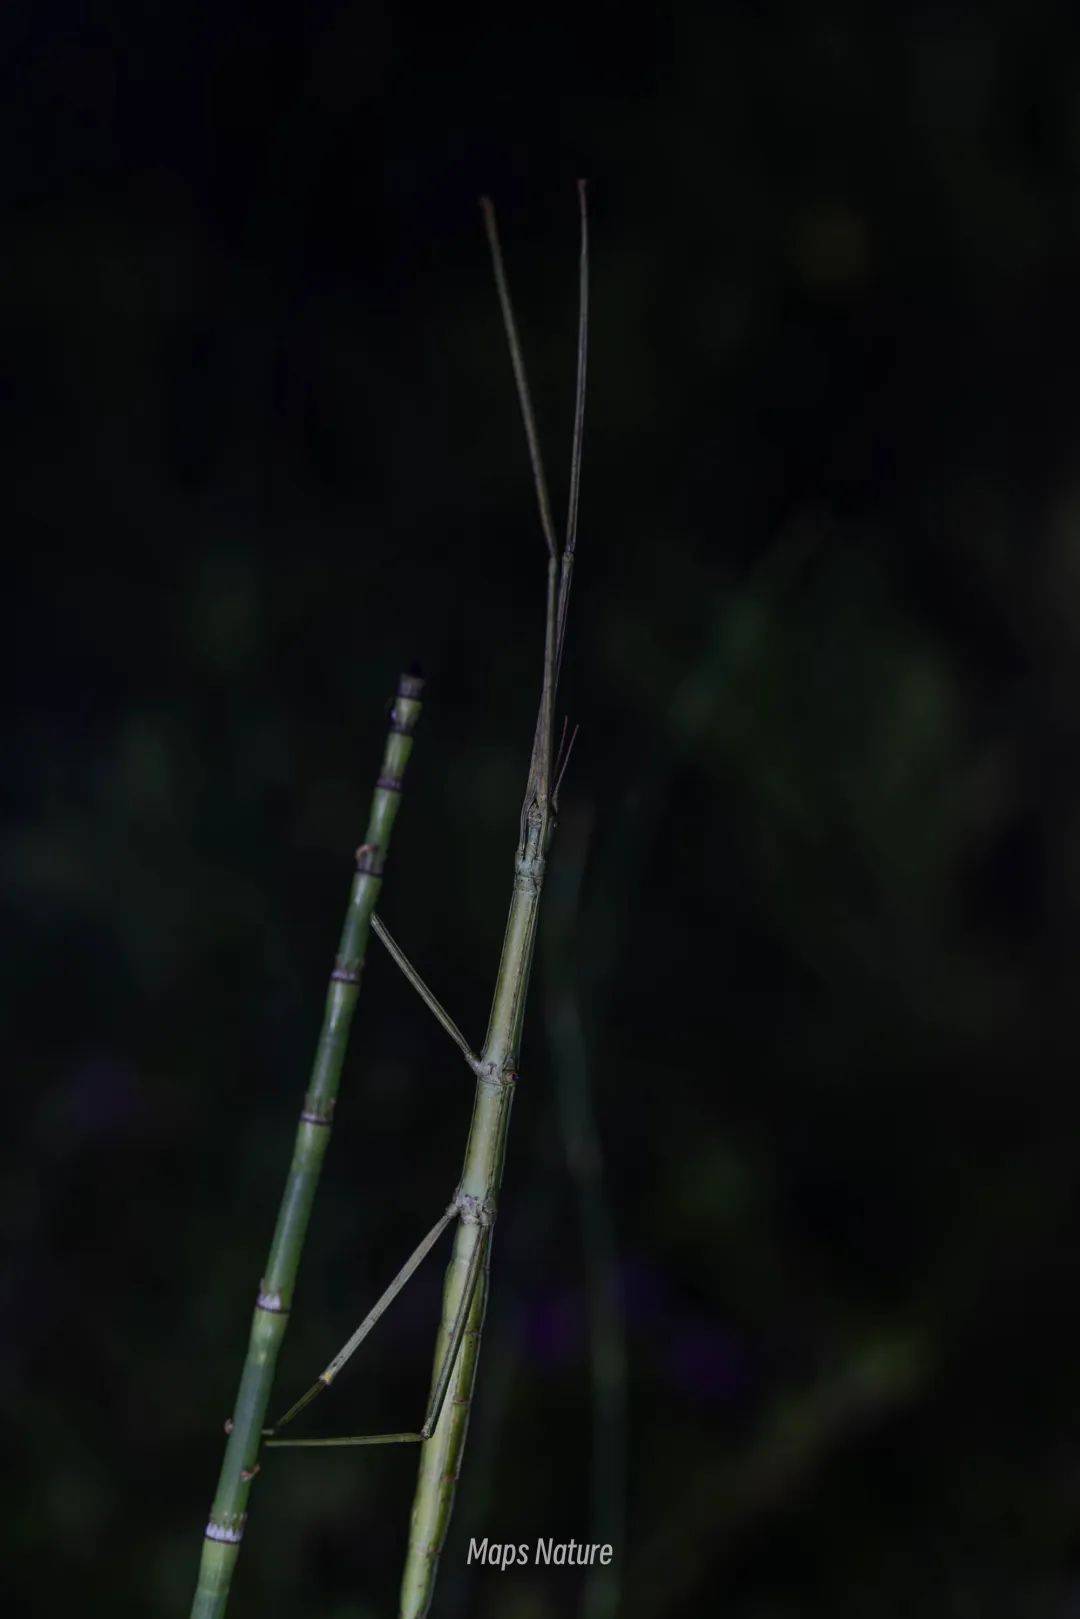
825,654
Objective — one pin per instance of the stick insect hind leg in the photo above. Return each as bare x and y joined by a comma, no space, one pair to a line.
442,1380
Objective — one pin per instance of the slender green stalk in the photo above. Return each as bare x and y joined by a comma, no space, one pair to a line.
440,1456
225,1528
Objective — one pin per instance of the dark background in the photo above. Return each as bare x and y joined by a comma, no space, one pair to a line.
820,988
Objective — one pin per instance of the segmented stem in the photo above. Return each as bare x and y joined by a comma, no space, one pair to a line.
225,1528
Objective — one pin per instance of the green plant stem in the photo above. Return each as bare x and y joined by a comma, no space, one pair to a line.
225,1528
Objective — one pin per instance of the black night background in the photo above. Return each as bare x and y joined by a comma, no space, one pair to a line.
816,888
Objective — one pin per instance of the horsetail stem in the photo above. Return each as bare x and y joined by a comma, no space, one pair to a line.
225,1528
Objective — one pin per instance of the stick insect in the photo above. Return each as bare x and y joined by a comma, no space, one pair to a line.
441,1435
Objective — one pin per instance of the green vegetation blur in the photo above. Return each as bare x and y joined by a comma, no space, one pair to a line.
798,1101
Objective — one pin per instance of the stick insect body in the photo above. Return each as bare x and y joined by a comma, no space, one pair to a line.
473,1206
